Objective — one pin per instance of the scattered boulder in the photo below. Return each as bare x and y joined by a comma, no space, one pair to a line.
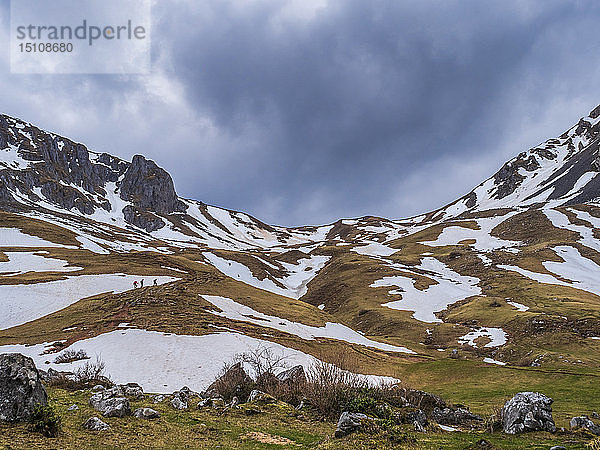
95,424
178,403
419,420
204,403
132,390
458,416
528,411
116,407
584,423
73,408
350,422
51,374
295,375
110,402
96,388
21,388
260,396
558,447
146,413
159,398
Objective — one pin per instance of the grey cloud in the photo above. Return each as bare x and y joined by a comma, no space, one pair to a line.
385,107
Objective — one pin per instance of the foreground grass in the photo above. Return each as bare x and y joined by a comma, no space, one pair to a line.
275,426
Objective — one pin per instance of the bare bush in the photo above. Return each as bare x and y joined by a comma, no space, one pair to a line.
90,371
330,386
85,377
232,381
68,356
263,361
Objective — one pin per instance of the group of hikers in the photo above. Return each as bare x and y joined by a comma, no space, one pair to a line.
137,284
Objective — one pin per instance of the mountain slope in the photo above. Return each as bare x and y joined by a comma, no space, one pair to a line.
506,274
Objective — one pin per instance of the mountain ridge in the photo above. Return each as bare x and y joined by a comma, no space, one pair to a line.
505,275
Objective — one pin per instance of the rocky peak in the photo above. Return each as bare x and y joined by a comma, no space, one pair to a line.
149,187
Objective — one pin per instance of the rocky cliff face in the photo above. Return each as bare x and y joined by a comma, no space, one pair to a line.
149,189
41,167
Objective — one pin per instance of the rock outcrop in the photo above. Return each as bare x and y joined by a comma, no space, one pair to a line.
95,424
295,375
21,387
149,188
111,402
458,416
528,411
350,422
146,413
584,423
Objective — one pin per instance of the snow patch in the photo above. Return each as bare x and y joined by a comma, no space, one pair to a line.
236,311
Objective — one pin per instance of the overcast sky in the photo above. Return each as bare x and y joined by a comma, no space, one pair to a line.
305,111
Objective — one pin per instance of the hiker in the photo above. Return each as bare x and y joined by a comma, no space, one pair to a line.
142,283
155,282
135,284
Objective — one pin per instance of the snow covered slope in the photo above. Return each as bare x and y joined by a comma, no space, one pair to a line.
513,262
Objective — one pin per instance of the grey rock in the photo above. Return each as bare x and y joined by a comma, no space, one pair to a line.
558,447
99,397
110,402
159,398
294,375
185,393
132,390
418,418
98,388
350,422
116,407
73,408
205,403
584,423
528,411
458,416
419,427
255,395
596,163
178,403
21,388
149,187
95,424
142,219
146,413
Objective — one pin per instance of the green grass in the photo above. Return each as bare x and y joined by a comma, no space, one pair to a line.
211,428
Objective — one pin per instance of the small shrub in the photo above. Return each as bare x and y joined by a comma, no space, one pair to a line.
361,402
46,420
68,356
263,361
85,377
90,371
232,381
331,386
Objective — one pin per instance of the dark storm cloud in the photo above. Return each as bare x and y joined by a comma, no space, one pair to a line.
354,99
306,111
